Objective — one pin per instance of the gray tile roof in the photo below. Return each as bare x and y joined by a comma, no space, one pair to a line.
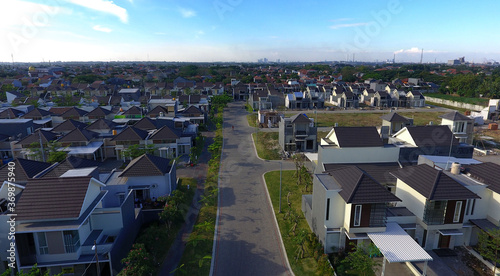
147,165
455,116
432,136
156,111
46,137
71,162
378,171
74,112
52,198
69,125
433,184
300,118
24,169
394,117
36,113
349,137
359,188
78,135
102,124
488,173
164,133
98,112
145,124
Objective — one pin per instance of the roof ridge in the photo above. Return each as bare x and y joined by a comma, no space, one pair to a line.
434,186
357,184
153,163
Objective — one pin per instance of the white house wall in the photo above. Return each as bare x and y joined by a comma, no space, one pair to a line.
331,155
109,220
93,191
162,188
494,208
411,199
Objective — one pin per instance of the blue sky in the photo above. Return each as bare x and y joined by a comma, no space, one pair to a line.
244,30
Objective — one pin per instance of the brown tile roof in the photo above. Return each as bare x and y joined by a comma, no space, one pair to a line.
71,162
394,117
78,135
69,125
52,198
155,112
192,110
131,134
46,137
147,165
102,124
488,173
433,184
349,137
24,169
36,113
145,124
164,133
435,136
134,110
10,113
74,112
359,188
98,111
57,111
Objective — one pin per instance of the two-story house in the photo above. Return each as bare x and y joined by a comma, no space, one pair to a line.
297,133
461,126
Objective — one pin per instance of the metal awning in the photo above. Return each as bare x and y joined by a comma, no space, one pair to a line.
450,232
89,149
397,246
139,187
484,224
357,236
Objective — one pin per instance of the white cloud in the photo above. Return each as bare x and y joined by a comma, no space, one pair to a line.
102,29
187,13
200,32
415,50
348,25
341,19
103,6
28,14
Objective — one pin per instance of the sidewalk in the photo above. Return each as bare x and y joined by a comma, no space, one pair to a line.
199,172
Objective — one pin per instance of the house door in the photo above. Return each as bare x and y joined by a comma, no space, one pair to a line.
444,241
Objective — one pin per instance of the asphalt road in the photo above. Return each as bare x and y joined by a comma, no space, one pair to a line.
247,240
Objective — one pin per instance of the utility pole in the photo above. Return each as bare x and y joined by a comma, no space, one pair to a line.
281,173
96,259
41,144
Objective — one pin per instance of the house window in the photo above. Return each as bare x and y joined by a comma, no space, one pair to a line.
357,215
459,127
43,248
327,209
458,209
71,241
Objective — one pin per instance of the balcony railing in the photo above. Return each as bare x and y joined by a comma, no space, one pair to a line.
434,212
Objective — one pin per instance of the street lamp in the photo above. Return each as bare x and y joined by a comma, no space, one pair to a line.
96,259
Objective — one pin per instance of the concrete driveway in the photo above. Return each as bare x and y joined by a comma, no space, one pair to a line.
247,239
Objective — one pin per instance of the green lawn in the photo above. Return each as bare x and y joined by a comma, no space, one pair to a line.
267,145
449,106
252,119
478,101
308,265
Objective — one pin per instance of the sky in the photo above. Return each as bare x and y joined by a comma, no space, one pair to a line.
245,31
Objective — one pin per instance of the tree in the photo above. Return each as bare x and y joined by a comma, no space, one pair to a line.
134,151
360,260
138,261
489,246
54,152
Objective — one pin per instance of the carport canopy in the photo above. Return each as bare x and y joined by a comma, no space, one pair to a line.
397,246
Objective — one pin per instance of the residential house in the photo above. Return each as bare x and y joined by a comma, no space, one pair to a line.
297,133
354,145
83,143
348,100
24,169
67,126
415,99
159,111
346,205
40,117
194,114
28,146
461,126
74,113
67,239
129,136
70,163
99,113
428,140
11,113
147,177
381,99
395,122
15,129
438,202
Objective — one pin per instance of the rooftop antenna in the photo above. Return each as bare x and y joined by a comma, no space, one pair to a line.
422,56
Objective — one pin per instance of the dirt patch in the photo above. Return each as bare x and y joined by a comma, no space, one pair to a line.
465,264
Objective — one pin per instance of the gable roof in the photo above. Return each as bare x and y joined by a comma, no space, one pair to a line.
37,112
25,169
432,135
394,117
45,136
145,124
378,171
147,165
74,112
300,118
102,124
487,173
164,133
69,125
52,198
131,134
156,111
358,137
134,110
78,135
192,110
10,113
455,116
433,184
71,162
98,111
358,187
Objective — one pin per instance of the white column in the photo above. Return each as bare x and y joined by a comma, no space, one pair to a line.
383,267
424,272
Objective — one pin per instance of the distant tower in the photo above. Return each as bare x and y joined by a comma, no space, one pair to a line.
353,55
12,56
422,56
394,59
